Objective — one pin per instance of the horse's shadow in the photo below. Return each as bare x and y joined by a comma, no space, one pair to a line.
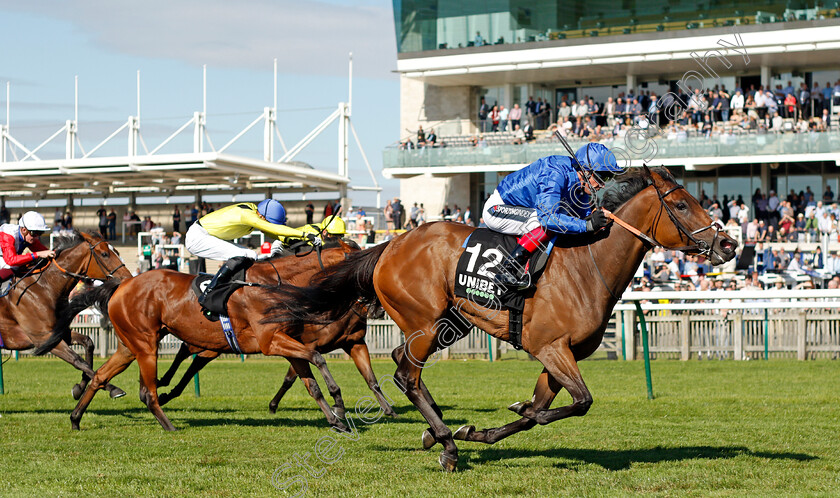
573,458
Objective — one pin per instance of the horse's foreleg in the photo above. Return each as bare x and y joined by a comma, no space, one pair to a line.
118,362
288,381
361,357
544,393
560,363
197,364
183,354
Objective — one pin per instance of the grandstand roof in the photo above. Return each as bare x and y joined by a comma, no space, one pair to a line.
159,174
611,58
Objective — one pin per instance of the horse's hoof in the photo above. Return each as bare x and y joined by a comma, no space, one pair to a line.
272,408
340,427
77,392
74,425
463,432
391,413
519,407
117,393
428,439
447,463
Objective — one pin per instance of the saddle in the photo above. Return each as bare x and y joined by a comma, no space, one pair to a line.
484,251
217,300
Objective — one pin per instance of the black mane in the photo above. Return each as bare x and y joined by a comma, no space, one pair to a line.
69,241
627,184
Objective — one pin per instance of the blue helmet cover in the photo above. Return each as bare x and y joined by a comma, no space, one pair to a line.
597,157
272,211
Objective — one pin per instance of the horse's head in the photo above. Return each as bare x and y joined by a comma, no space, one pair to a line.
88,256
675,220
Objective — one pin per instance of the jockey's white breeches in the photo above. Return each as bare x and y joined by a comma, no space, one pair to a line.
204,245
512,220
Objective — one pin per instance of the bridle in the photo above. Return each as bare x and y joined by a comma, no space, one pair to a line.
39,271
92,257
700,247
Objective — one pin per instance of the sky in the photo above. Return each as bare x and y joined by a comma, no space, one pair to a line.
47,44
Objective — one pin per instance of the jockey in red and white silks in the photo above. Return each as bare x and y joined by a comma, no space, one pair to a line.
15,238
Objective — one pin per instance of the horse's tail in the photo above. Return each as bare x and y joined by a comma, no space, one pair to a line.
98,296
330,293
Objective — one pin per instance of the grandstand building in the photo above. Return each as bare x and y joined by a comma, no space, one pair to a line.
452,54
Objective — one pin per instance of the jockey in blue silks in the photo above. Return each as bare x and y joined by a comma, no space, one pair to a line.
549,196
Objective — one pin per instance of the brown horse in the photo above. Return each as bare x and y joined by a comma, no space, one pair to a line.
347,334
28,314
147,307
564,318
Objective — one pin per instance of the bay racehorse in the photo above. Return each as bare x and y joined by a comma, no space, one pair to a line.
563,320
347,333
151,305
28,314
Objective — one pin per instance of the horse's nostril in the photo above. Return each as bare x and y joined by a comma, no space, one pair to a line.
727,245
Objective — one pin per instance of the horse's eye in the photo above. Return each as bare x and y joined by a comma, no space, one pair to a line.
104,254
681,206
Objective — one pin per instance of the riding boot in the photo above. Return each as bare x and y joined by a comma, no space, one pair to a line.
222,276
513,273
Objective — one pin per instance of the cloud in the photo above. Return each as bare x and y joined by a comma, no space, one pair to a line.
307,37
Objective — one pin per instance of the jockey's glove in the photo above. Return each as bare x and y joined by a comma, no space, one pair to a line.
314,239
596,221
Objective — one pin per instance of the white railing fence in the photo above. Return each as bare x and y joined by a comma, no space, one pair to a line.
681,325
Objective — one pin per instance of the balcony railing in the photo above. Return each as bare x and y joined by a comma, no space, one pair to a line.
691,148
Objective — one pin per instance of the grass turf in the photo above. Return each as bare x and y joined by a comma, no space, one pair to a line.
715,428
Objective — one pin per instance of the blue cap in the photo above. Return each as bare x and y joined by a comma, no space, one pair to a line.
272,211
597,157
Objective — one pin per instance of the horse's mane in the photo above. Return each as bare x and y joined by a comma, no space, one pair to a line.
623,187
68,241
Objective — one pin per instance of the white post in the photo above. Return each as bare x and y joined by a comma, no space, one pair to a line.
133,134
268,134
342,139
4,130
70,144
198,134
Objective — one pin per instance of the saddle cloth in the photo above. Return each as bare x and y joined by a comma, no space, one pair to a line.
484,251
216,302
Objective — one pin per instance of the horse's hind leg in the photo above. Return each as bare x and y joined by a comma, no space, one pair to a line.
361,357
199,362
148,374
183,354
332,386
87,343
288,381
302,368
118,362
397,355
544,393
64,352
420,347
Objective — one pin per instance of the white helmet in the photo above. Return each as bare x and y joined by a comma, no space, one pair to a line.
33,222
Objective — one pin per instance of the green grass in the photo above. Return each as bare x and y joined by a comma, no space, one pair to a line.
715,428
